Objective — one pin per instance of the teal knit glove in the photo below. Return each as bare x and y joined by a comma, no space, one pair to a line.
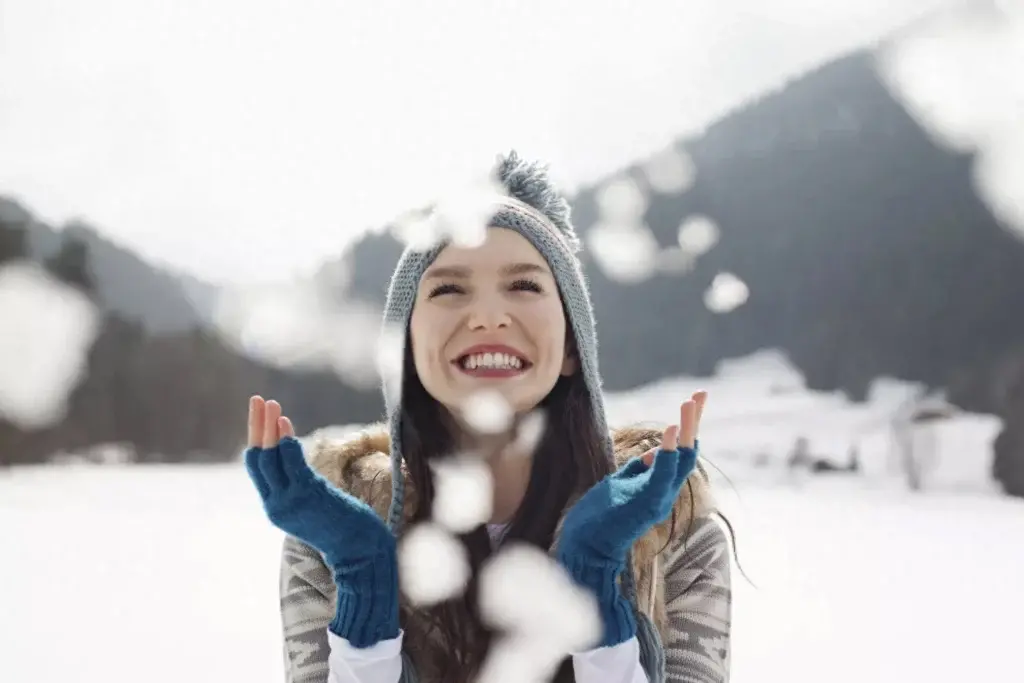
355,542
599,530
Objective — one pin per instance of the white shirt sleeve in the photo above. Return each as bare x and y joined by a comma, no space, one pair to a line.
380,663
616,664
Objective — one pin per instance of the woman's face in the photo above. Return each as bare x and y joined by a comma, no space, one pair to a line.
489,318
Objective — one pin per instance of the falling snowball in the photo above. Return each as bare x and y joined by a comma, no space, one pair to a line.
727,292
487,412
351,332
520,659
670,172
627,253
418,231
390,360
464,493
433,565
279,326
465,216
999,179
45,359
697,235
958,76
523,590
622,200
529,432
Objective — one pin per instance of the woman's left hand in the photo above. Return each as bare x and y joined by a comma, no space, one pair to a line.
687,430
603,525
599,530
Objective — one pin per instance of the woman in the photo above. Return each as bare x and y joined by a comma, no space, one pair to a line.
625,514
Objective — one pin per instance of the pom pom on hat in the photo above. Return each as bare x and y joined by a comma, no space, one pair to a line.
529,182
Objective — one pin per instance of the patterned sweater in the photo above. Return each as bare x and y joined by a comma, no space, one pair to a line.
683,570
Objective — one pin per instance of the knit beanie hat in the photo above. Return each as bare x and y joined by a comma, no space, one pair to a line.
531,206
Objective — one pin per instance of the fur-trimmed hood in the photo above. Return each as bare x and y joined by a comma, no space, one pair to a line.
360,464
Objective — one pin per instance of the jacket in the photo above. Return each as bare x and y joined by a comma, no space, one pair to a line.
682,569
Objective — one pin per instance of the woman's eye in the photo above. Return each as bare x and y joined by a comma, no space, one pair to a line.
526,286
446,288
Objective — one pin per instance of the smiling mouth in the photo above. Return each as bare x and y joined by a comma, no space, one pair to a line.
492,364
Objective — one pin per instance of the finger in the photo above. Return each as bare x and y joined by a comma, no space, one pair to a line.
670,438
687,424
700,398
293,460
272,412
256,410
252,466
648,457
285,427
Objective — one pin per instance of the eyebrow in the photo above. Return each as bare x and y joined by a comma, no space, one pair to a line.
464,272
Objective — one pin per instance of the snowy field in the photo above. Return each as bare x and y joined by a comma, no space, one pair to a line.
169,574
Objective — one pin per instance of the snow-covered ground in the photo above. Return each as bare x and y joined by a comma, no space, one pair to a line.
169,574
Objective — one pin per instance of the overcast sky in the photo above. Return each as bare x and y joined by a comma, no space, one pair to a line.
239,139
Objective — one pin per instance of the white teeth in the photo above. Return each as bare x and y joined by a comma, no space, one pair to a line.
499,361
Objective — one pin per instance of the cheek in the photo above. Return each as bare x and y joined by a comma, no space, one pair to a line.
428,333
548,322
421,336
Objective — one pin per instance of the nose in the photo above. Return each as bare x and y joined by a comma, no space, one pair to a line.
488,315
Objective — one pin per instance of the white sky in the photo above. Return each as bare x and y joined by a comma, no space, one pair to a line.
240,139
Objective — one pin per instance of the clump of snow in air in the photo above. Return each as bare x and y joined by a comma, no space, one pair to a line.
294,324
351,340
433,565
622,200
460,214
697,235
390,361
670,171
417,230
625,252
726,293
529,431
959,76
466,214
620,241
520,659
487,412
463,495
49,329
999,177
525,592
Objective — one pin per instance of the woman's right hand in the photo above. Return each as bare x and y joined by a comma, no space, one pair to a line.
356,544
302,503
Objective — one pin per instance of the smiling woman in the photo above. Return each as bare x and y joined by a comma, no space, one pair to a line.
625,514
490,318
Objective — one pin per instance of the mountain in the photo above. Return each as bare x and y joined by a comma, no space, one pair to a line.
160,300
865,249
158,379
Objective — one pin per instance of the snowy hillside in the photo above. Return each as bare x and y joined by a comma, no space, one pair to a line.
759,405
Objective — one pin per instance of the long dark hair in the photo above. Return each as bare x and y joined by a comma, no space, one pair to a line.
569,458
